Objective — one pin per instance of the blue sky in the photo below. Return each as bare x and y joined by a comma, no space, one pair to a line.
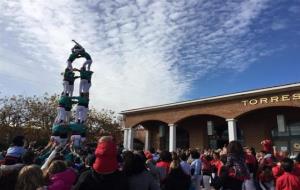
149,52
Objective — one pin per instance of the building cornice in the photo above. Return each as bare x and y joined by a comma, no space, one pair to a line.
238,95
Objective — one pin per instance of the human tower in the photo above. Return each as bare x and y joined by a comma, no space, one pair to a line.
62,126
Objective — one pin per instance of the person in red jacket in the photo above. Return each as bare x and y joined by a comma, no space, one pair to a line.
216,163
106,156
277,170
104,174
288,181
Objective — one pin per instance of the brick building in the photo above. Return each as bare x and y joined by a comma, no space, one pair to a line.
249,117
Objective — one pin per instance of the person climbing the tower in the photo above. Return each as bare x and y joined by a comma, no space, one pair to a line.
77,52
59,135
77,137
81,108
64,109
68,82
85,81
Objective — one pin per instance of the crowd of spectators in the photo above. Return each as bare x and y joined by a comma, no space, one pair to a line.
108,166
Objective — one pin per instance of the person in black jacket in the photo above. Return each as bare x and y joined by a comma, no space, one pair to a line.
177,179
93,180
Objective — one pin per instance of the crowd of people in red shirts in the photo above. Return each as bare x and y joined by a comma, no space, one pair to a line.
108,166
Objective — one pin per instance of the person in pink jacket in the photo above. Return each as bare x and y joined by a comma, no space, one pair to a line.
59,176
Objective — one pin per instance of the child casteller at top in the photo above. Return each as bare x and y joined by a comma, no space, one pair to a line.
77,52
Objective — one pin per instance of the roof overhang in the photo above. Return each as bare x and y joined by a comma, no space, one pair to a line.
239,95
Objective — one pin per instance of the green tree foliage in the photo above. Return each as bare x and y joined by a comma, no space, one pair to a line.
34,116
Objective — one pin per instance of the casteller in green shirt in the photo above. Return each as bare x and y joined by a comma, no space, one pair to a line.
69,76
77,127
82,101
76,55
66,102
86,74
59,128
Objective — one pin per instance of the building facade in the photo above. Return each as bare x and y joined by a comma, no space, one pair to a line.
250,117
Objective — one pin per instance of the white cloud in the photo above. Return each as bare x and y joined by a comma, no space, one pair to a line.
145,52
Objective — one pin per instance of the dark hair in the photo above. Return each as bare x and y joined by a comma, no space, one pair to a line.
174,156
183,157
217,154
18,141
142,155
90,159
128,161
297,159
77,160
195,154
235,148
133,164
63,135
208,158
287,164
223,158
165,156
152,150
253,152
28,157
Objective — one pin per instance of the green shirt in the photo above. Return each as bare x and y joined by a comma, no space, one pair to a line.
69,76
66,102
86,75
77,127
82,101
59,128
73,56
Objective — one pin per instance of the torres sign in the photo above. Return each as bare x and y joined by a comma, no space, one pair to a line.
272,99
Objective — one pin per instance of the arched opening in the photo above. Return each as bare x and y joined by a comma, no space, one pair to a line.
183,138
203,131
220,137
138,137
155,132
280,124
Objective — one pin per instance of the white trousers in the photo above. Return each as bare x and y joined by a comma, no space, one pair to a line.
76,141
63,142
61,115
68,116
55,139
81,113
88,63
70,65
68,89
84,86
